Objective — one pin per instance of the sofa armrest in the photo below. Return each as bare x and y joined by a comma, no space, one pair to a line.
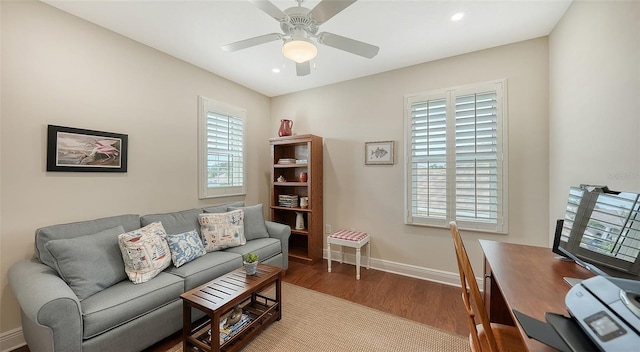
51,312
281,232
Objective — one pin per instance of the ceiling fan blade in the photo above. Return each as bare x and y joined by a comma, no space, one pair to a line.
243,44
328,8
347,44
270,9
303,69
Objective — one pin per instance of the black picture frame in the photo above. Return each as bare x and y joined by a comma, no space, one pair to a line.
80,150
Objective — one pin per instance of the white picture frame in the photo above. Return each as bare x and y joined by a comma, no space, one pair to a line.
378,153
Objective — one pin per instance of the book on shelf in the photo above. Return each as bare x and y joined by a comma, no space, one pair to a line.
288,200
286,161
230,331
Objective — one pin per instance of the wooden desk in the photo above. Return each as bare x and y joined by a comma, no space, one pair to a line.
528,279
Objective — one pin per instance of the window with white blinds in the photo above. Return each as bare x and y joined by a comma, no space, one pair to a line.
221,149
456,166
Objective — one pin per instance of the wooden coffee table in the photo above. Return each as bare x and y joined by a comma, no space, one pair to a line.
218,297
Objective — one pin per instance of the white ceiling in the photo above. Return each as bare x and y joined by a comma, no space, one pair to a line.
407,32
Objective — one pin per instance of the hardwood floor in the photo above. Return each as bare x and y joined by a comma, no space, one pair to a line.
433,304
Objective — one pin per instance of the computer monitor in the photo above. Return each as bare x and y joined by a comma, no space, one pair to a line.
556,237
592,268
601,231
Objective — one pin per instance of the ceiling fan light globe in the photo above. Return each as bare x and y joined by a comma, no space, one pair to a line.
299,50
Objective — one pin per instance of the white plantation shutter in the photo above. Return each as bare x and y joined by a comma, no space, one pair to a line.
455,168
222,157
476,153
428,159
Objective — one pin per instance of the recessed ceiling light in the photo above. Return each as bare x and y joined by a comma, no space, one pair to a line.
458,16
275,70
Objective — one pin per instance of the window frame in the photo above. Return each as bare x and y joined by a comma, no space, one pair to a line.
205,106
449,95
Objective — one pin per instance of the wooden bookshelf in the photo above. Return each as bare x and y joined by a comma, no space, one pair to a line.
305,245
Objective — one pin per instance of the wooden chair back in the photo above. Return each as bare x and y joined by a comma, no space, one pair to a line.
473,302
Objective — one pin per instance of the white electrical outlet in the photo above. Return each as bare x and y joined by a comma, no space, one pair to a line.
327,229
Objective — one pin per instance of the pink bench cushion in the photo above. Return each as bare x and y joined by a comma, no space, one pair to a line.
349,235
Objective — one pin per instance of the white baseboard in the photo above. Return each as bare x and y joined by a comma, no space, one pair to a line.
439,276
11,340
14,339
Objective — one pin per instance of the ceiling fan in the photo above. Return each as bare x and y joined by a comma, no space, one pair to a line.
299,26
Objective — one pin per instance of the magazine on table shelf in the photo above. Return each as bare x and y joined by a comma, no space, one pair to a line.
229,332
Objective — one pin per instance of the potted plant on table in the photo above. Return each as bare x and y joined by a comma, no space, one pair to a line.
251,263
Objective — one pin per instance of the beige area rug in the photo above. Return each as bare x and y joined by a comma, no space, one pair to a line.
314,321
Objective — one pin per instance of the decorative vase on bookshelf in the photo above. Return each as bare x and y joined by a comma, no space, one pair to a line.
304,202
285,127
299,221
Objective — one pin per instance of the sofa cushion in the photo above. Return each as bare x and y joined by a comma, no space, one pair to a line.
145,252
222,230
55,232
89,263
254,226
176,222
206,268
222,208
126,301
265,248
185,247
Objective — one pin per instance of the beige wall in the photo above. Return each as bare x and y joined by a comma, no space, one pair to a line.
595,100
371,198
58,69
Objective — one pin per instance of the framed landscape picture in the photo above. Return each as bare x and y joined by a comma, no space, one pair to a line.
378,153
79,150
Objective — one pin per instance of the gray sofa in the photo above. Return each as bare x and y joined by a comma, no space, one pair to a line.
125,316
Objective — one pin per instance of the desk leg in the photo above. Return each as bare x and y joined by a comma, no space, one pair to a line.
494,301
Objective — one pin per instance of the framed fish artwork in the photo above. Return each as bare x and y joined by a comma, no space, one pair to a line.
79,150
378,153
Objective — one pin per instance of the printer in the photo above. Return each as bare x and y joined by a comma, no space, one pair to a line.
607,309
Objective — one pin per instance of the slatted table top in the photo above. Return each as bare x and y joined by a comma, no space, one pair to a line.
228,290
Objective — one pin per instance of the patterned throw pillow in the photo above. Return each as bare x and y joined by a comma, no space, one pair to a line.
145,252
185,247
222,230
254,226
